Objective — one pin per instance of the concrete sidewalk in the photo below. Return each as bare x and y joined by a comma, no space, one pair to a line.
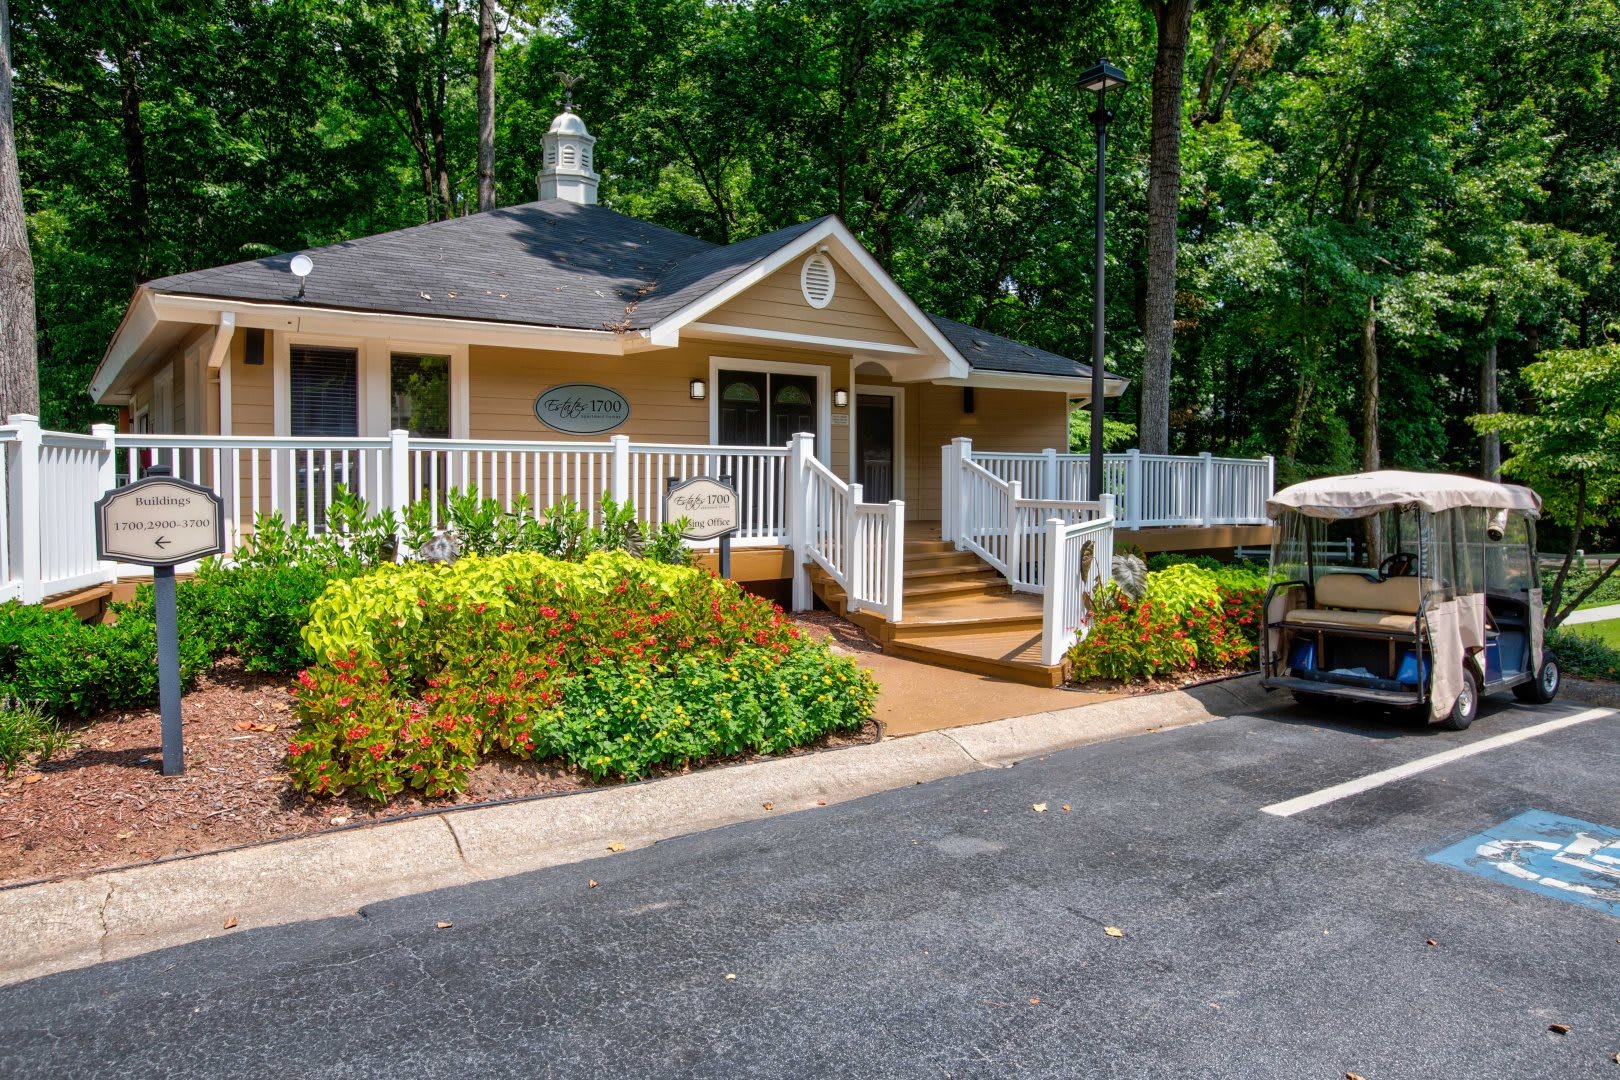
1602,613
75,922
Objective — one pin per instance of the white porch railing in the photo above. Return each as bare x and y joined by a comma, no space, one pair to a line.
1080,558
1150,490
50,481
860,545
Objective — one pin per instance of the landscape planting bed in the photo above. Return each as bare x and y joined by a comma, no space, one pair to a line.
107,804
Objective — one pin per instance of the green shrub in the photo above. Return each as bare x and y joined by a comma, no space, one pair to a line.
256,612
614,665
1190,617
1585,656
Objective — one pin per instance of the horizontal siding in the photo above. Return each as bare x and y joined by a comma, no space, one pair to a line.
778,304
253,410
505,382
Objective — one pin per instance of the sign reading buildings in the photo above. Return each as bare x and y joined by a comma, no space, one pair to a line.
159,522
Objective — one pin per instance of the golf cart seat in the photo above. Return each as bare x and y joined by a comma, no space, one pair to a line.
1356,602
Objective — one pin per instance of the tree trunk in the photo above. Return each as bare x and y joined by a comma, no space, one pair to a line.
1174,22
1371,459
1490,444
19,369
139,211
486,104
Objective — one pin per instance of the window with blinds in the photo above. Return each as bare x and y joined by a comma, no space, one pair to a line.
325,392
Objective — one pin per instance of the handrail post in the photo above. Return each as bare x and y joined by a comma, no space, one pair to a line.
1133,489
1051,485
854,544
954,453
619,472
107,477
1107,501
1052,598
796,508
25,525
1271,487
1206,496
897,557
1015,536
399,482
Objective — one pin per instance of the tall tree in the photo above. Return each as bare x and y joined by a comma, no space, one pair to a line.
1172,20
488,40
19,370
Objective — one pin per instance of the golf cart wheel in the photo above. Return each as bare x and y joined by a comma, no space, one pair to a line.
1544,687
1466,707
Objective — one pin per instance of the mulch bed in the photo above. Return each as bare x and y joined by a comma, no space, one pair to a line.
107,804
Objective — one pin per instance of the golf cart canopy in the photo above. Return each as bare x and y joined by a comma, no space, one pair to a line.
1359,495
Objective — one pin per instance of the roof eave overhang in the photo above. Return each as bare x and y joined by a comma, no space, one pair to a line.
150,309
1073,386
883,289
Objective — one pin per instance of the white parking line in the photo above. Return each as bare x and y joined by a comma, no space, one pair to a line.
1290,807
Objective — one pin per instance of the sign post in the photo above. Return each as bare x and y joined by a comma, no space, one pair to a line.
711,508
161,522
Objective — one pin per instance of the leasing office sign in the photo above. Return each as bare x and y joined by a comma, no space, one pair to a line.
581,409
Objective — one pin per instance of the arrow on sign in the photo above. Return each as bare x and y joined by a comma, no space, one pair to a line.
161,542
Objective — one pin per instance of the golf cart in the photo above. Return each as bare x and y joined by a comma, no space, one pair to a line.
1442,605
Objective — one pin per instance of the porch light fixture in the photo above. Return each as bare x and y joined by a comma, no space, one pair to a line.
841,398
301,266
1099,80
698,390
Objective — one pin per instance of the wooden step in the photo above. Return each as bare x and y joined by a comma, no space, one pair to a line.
935,573
920,545
981,585
921,560
1014,655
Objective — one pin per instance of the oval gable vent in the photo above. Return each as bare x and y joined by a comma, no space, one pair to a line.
817,280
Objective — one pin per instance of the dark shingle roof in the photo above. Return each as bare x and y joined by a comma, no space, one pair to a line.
992,352
552,263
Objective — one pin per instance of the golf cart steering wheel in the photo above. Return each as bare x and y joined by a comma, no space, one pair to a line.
1400,564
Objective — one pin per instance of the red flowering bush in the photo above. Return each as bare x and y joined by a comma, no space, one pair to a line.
1195,618
614,665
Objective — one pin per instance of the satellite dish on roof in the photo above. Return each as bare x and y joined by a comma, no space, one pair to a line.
301,266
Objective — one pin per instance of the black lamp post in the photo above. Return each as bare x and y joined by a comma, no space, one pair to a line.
1099,80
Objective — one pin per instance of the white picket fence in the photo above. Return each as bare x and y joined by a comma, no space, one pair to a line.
50,481
1150,490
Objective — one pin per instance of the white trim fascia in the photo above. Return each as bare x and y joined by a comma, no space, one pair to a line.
750,333
823,377
867,272
1008,380
172,307
226,403
139,320
898,394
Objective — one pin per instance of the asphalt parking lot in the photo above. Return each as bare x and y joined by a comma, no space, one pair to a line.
962,928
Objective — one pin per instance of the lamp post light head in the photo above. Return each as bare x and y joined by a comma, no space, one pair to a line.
1101,78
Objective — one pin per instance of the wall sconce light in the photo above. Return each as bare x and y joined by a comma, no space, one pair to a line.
698,390
967,399
841,398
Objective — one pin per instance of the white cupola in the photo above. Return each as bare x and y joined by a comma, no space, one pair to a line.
567,172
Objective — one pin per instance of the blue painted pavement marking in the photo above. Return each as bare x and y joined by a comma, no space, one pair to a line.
1555,856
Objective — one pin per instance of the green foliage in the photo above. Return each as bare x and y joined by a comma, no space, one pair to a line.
614,665
26,733
1117,434
1585,655
256,612
69,668
1191,618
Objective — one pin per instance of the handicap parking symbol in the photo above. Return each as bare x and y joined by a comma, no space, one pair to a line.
1546,853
